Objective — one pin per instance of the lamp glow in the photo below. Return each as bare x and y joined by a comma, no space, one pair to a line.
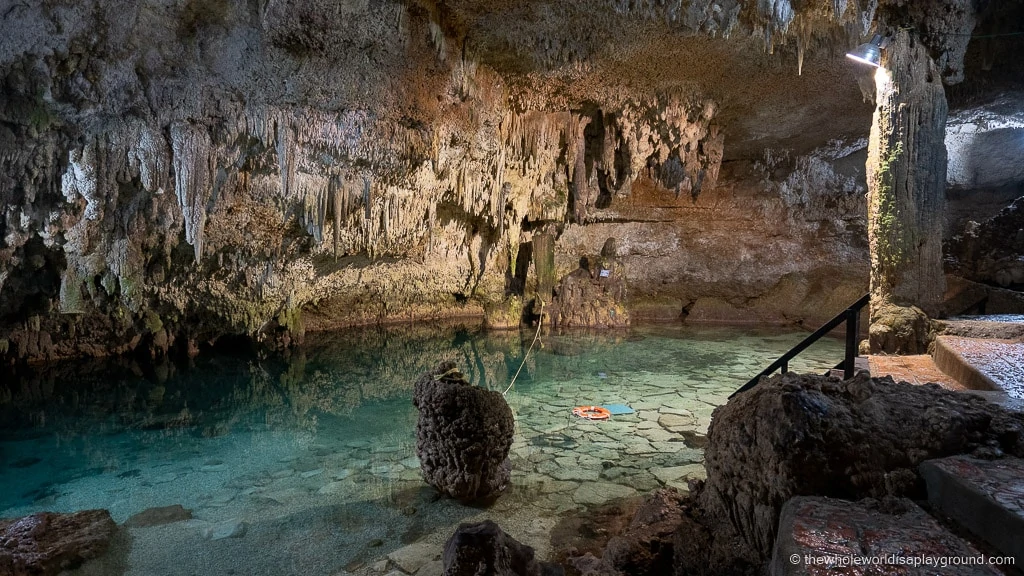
869,52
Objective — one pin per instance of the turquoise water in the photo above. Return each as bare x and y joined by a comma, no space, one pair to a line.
311,462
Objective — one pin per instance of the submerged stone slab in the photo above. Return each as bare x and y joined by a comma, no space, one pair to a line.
825,536
414,556
233,528
601,492
159,516
46,544
673,473
984,496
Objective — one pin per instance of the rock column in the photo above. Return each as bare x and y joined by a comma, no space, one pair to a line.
906,172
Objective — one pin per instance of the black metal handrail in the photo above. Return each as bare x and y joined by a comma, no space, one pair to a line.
852,318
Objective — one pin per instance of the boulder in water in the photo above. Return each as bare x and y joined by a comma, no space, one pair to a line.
463,435
484,548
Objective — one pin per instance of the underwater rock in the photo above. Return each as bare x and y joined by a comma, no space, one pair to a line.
159,516
463,435
46,543
484,548
233,528
811,435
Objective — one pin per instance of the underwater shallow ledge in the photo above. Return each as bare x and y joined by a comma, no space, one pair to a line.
311,461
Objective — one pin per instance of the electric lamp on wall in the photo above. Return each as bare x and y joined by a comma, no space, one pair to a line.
870,52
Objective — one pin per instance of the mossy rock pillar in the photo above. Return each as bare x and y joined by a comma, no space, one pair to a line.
544,265
906,173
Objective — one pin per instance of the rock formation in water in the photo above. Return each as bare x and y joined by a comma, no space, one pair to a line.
463,435
593,294
47,544
484,548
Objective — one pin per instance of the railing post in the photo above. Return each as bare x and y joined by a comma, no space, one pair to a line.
784,368
852,330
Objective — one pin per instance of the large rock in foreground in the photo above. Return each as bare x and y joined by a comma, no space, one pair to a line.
484,548
463,435
46,544
799,435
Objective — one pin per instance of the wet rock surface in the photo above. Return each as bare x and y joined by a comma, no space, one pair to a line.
46,544
983,364
483,548
463,435
814,529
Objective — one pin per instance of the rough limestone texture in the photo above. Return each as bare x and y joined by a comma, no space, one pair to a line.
463,435
900,329
965,297
885,533
646,545
46,544
984,496
594,294
992,252
906,174
809,435
484,548
173,171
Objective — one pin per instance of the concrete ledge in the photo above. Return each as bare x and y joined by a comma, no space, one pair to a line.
950,361
986,497
886,539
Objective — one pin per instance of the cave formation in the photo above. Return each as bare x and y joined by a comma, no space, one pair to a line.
211,169
187,176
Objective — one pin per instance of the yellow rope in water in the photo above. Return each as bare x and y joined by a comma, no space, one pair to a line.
536,337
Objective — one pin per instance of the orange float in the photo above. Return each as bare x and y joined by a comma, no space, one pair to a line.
592,412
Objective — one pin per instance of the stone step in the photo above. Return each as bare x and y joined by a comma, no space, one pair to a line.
983,364
915,369
984,496
897,539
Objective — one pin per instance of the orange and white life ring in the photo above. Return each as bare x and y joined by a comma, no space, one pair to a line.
592,412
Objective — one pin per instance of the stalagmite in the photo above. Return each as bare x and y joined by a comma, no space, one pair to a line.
906,197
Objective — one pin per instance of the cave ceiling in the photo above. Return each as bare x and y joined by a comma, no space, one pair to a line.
774,67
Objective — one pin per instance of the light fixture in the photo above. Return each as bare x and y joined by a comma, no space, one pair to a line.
870,52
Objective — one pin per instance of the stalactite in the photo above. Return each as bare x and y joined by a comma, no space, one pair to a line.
286,150
193,178
804,31
339,209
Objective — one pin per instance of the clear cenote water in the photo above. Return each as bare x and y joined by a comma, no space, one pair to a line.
312,461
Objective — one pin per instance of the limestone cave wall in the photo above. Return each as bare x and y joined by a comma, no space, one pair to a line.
176,170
